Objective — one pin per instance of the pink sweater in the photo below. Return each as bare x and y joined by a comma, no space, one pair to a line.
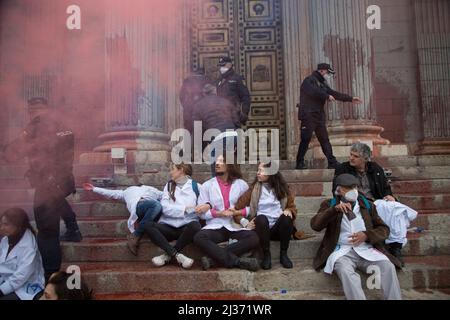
225,189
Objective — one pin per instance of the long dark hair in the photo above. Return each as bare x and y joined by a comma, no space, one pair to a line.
59,281
19,219
276,182
233,169
172,185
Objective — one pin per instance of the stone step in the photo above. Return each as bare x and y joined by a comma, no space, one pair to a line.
116,227
115,249
142,278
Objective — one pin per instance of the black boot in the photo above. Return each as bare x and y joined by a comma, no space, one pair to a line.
250,264
333,165
72,236
266,263
395,249
300,165
284,260
207,263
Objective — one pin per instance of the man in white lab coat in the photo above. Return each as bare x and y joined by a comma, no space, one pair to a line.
143,203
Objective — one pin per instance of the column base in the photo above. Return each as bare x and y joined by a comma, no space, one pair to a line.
434,147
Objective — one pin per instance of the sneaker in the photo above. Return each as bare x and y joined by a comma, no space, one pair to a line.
72,236
207,263
133,243
185,262
161,260
250,264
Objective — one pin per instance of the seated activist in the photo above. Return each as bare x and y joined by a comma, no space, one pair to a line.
178,220
142,203
272,213
59,287
21,270
354,239
217,198
372,182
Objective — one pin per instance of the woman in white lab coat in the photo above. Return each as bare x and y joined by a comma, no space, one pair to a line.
178,220
21,270
217,198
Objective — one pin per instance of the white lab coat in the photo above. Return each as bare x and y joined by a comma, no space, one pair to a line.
398,217
364,250
131,197
173,212
211,193
21,270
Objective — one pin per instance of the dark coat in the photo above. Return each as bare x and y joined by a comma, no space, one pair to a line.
379,184
330,219
231,86
192,91
215,113
314,93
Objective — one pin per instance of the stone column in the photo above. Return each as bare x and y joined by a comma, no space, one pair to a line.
340,37
433,44
145,59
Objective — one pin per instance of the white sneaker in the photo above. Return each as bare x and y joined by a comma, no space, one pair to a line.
161,260
185,262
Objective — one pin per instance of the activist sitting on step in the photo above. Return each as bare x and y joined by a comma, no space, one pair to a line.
178,220
142,203
272,213
217,198
372,182
354,238
21,270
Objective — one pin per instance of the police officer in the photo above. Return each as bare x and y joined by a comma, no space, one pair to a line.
314,93
192,91
49,147
231,86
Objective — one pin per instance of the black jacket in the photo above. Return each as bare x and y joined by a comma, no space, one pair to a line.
314,93
379,184
192,90
215,113
231,86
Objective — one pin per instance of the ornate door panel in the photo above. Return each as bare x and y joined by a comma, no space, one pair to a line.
248,31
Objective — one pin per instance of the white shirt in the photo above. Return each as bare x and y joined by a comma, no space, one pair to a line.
211,193
174,212
21,270
131,197
269,205
364,250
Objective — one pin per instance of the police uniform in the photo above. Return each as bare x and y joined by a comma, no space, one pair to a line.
231,86
314,93
49,147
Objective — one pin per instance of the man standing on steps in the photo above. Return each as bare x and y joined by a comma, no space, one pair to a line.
231,86
314,93
49,147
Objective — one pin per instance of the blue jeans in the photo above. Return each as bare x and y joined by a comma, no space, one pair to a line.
147,210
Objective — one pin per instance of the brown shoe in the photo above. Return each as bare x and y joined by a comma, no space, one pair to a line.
300,235
133,243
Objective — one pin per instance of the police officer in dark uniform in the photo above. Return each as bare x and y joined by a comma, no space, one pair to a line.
314,93
192,91
49,147
231,86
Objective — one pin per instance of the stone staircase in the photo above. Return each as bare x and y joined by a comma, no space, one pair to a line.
420,182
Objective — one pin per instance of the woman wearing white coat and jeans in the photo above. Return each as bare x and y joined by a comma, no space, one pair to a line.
178,220
21,270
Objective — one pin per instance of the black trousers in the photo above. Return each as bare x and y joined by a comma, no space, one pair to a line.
281,231
315,122
207,241
49,208
162,234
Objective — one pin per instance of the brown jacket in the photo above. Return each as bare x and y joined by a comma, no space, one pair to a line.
330,219
245,199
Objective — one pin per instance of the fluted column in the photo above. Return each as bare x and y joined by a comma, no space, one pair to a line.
433,44
144,65
340,37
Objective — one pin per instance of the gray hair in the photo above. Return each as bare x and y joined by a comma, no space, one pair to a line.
362,149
